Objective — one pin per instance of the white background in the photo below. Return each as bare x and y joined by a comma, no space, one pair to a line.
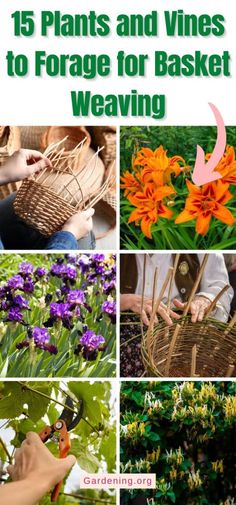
35,101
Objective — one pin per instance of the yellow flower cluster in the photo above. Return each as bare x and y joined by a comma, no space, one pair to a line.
136,427
208,391
154,455
194,480
176,457
218,466
230,407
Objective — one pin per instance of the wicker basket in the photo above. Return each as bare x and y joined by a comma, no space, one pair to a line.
73,135
9,143
47,200
106,136
202,349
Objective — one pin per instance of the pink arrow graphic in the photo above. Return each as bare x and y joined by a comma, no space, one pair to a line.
204,172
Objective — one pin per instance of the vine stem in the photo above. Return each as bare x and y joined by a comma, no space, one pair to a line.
88,499
46,396
6,450
56,401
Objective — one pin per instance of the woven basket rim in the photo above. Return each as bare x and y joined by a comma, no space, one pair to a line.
47,190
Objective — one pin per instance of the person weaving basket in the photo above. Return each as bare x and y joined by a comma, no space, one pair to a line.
15,234
214,278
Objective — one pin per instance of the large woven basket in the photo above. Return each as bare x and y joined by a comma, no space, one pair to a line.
9,143
47,200
106,136
202,349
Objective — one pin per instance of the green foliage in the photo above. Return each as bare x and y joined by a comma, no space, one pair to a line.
182,141
183,432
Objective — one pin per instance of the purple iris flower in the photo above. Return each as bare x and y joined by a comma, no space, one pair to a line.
77,296
100,269
108,287
15,282
109,307
69,272
60,310
40,272
26,268
28,286
14,314
98,257
40,335
91,340
20,302
84,263
71,257
57,270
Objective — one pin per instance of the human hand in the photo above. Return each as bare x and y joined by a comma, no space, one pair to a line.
34,463
80,224
134,302
198,307
22,164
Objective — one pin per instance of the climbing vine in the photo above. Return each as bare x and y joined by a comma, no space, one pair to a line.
185,434
28,406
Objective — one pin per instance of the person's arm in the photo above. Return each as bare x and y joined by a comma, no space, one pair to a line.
133,302
22,164
34,473
77,227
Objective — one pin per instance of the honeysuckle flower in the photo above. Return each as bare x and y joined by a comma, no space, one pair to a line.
227,165
16,282
158,167
150,206
26,268
130,183
206,202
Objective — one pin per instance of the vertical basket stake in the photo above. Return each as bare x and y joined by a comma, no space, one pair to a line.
171,290
171,349
153,314
196,284
212,306
143,290
154,287
193,361
230,371
230,325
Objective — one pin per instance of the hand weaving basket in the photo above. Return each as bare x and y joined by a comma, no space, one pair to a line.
9,143
47,200
186,349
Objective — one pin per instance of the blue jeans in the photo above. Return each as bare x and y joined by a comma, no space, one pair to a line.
16,234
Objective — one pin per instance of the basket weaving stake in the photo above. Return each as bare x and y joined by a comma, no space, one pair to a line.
171,349
154,287
230,371
154,311
171,289
196,284
193,361
212,306
143,290
230,325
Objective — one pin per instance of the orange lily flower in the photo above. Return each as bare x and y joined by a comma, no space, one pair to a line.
227,165
150,207
205,202
157,166
130,183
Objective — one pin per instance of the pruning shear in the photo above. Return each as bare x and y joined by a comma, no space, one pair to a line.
67,422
